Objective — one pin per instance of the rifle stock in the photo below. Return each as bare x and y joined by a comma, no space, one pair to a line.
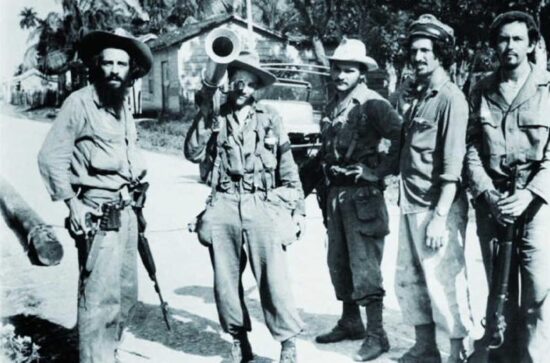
495,321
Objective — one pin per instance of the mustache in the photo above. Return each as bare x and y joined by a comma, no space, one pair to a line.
114,78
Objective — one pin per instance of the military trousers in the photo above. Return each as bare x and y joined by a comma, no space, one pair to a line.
357,221
431,284
527,337
247,226
107,289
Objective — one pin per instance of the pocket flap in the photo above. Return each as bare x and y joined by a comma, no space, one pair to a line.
366,211
533,119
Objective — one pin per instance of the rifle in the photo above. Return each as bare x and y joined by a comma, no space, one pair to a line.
495,322
145,250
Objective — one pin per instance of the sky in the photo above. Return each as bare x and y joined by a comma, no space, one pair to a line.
13,39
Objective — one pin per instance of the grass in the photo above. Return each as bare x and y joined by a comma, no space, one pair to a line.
166,136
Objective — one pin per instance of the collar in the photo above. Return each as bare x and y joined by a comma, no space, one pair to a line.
438,79
490,87
358,95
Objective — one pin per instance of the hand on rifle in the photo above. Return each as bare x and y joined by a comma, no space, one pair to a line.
77,215
513,206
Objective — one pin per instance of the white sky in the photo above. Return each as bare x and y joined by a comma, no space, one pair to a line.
13,39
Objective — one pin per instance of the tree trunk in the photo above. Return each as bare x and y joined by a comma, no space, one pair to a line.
319,50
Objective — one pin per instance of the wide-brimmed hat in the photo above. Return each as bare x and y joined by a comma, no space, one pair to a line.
95,41
429,26
353,50
250,61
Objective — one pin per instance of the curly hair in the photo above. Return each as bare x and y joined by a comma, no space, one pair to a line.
443,50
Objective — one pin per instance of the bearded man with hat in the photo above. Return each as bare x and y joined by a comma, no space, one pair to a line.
509,143
353,126
90,159
255,209
430,280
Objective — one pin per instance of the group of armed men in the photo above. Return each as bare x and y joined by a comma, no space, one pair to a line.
439,142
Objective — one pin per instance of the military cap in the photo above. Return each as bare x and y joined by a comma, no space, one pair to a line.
429,26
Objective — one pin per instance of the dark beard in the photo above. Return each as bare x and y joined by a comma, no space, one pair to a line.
110,96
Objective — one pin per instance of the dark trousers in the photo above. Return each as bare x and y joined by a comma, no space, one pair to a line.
357,221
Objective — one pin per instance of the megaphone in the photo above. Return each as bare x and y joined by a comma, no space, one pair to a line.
222,46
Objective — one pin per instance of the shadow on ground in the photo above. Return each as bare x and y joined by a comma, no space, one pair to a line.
315,324
190,333
57,343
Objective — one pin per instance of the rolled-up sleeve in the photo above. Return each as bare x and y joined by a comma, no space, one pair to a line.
197,139
454,125
55,155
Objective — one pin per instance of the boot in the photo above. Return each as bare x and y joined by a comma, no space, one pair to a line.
376,343
241,351
349,326
288,351
424,349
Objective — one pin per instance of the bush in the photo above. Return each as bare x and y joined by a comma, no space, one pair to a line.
15,348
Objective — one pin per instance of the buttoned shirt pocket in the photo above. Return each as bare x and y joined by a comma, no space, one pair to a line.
423,133
107,153
493,138
534,128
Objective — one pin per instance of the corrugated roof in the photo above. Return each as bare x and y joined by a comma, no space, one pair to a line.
193,29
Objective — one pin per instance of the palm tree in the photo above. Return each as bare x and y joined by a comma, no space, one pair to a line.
28,18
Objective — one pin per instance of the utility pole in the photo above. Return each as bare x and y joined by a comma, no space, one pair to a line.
250,24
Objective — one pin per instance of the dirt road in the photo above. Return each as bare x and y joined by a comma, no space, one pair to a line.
45,297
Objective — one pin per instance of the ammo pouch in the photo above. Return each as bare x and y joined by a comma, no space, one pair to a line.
110,219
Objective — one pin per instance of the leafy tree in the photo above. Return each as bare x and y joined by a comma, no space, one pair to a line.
28,18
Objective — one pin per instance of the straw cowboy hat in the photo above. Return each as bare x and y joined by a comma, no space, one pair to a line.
353,50
95,41
250,61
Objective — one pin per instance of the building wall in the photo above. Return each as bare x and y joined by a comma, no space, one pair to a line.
152,90
187,60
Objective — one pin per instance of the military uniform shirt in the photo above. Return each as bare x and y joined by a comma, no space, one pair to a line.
87,146
503,136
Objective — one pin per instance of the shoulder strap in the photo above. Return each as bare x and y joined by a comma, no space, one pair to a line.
216,168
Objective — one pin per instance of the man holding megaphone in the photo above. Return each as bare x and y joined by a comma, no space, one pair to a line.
256,200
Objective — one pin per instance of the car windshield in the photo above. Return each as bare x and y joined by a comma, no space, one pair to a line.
288,91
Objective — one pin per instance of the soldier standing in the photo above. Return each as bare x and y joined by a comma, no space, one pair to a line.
90,159
354,124
431,279
508,137
255,202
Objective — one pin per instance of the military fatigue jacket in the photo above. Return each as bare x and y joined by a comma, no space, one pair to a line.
352,131
248,157
504,136
89,147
